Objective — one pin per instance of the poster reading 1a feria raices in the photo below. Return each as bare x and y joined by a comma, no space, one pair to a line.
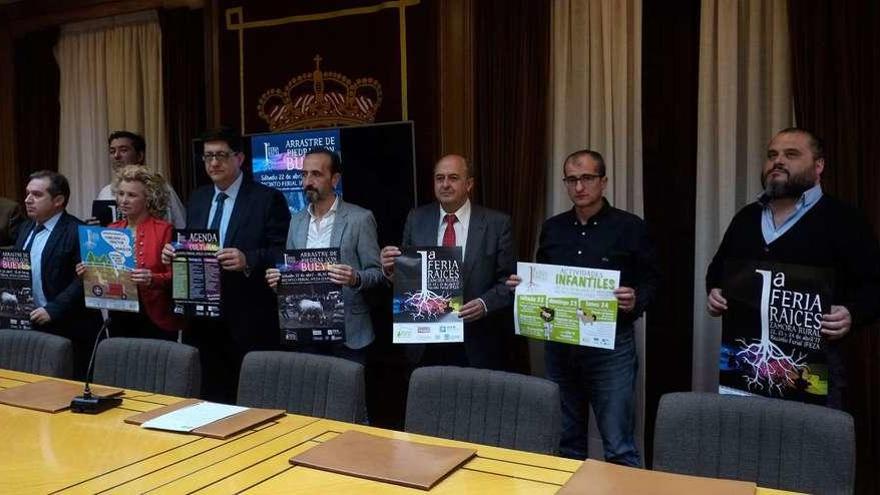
567,304
427,296
108,256
771,343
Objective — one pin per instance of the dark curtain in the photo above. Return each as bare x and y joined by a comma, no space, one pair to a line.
836,74
670,62
37,110
512,52
184,89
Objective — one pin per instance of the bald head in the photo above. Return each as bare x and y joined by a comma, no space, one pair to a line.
452,182
456,161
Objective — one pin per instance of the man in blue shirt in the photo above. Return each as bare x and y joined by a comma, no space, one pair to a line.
51,237
252,220
794,222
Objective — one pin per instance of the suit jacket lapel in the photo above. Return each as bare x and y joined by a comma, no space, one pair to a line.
475,236
427,228
23,233
339,224
201,209
52,244
238,210
300,230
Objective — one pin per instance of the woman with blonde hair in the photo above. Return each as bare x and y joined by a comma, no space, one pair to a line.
142,198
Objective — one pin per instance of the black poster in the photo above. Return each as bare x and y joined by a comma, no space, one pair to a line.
195,273
771,343
105,211
16,294
310,306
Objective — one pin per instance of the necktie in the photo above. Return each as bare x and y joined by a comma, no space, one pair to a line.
30,243
449,234
218,212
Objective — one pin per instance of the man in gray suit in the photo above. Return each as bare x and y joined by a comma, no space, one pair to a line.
331,222
485,238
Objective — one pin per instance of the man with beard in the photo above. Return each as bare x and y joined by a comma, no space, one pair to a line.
331,222
794,222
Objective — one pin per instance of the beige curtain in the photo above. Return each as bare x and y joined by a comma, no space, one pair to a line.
744,98
596,103
111,79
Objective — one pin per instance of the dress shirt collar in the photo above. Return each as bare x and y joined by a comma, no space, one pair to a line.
332,211
808,198
603,211
463,214
232,190
51,222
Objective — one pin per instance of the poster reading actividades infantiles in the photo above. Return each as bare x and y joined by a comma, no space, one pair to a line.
566,304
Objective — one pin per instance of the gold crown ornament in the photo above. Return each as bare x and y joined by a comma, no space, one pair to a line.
321,99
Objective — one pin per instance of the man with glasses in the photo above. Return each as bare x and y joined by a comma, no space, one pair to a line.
596,235
252,220
128,148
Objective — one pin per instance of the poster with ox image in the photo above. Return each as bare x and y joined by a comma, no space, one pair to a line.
310,306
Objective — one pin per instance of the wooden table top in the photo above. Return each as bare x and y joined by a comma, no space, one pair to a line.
79,453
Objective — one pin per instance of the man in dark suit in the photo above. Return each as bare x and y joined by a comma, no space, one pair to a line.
252,220
51,236
485,236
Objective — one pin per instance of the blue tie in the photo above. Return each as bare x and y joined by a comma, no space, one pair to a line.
218,212
30,242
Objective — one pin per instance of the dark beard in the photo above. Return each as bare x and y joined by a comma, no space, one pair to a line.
312,195
794,187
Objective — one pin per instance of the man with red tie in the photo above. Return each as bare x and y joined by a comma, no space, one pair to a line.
487,246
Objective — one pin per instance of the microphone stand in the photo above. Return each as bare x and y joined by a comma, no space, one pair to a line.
88,403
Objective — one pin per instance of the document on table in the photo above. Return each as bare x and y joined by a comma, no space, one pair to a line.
194,416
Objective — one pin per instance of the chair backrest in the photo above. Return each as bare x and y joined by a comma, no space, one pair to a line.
36,352
150,365
484,406
301,383
776,443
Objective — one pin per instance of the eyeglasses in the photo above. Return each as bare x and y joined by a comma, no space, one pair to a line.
220,156
572,180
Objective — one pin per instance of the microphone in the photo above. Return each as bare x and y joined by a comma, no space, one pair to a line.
89,403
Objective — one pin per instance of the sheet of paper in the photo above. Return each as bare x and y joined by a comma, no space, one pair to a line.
194,416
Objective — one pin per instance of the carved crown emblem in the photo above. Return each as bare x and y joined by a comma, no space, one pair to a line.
320,99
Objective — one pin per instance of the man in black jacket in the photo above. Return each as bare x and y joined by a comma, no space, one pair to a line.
252,220
594,234
794,222
51,236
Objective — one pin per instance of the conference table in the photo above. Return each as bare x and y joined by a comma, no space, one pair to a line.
78,453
